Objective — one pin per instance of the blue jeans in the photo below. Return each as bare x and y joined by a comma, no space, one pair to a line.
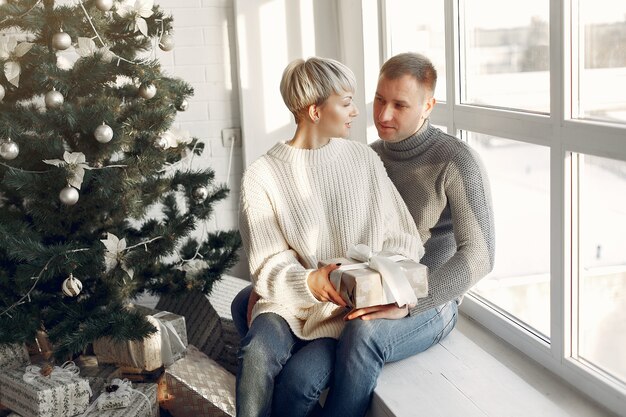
279,373
361,351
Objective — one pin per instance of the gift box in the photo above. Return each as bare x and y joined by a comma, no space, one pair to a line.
97,375
361,284
198,386
208,318
61,394
142,403
13,355
164,347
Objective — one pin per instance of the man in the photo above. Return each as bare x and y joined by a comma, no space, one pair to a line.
445,187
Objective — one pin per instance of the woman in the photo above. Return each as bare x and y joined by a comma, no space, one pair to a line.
308,199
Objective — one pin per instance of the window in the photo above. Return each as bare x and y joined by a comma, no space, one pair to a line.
538,88
519,284
602,264
506,54
601,60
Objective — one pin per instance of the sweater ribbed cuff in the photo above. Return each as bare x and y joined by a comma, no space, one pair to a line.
297,280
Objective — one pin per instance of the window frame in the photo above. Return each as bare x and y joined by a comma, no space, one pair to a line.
566,137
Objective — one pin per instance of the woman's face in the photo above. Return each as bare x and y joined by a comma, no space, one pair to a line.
336,114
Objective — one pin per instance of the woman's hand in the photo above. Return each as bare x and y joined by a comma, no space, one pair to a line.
321,287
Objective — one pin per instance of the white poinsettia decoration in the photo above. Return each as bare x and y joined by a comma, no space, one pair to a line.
114,254
140,10
9,50
177,137
194,267
87,47
76,165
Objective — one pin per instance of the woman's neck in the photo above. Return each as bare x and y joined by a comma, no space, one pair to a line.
307,136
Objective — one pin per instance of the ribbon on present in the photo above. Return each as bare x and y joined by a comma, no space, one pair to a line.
394,279
172,346
66,373
124,388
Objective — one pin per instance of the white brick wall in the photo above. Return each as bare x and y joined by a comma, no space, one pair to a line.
203,56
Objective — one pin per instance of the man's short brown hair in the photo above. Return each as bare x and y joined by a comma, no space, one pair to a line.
413,64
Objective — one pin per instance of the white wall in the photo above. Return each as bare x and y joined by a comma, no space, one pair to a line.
270,34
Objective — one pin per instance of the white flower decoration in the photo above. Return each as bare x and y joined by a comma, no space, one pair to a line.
140,9
76,165
194,267
87,47
9,48
177,137
113,255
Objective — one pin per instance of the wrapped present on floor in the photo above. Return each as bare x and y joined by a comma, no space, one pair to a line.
97,375
162,348
198,386
62,393
141,401
209,321
13,355
366,279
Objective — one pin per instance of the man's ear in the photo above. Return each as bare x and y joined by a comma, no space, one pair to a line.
428,106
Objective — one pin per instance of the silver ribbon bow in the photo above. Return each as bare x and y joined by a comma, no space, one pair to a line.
396,285
172,346
66,373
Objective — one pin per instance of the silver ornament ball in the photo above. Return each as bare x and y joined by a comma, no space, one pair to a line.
2,92
161,143
9,149
200,193
69,196
104,5
147,90
71,286
167,42
103,133
53,99
183,105
61,41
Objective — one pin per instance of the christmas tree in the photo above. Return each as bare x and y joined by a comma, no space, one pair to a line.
98,197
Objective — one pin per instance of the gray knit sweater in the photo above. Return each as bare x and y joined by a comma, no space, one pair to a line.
445,186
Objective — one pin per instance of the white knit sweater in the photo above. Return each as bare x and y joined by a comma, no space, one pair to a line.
299,206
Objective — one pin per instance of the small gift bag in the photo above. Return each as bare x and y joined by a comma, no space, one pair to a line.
367,279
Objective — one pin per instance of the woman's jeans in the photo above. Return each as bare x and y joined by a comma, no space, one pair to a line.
350,366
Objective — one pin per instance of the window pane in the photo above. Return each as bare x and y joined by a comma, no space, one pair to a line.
602,60
519,174
419,26
602,275
506,52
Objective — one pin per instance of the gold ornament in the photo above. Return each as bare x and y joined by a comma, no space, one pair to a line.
71,286
69,196
161,143
147,90
167,42
61,41
53,99
9,149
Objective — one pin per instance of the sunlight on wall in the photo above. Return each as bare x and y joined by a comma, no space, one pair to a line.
228,81
274,51
307,28
243,51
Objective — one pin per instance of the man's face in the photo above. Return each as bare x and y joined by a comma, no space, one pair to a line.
400,107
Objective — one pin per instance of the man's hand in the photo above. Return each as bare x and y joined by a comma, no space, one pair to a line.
254,297
387,311
322,288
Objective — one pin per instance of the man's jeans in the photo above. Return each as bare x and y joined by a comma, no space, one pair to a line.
355,361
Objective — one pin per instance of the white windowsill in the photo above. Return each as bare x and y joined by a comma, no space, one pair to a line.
474,373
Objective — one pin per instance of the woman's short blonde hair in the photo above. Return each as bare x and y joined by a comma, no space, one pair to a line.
312,81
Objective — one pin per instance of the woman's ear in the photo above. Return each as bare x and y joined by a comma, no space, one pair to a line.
314,113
